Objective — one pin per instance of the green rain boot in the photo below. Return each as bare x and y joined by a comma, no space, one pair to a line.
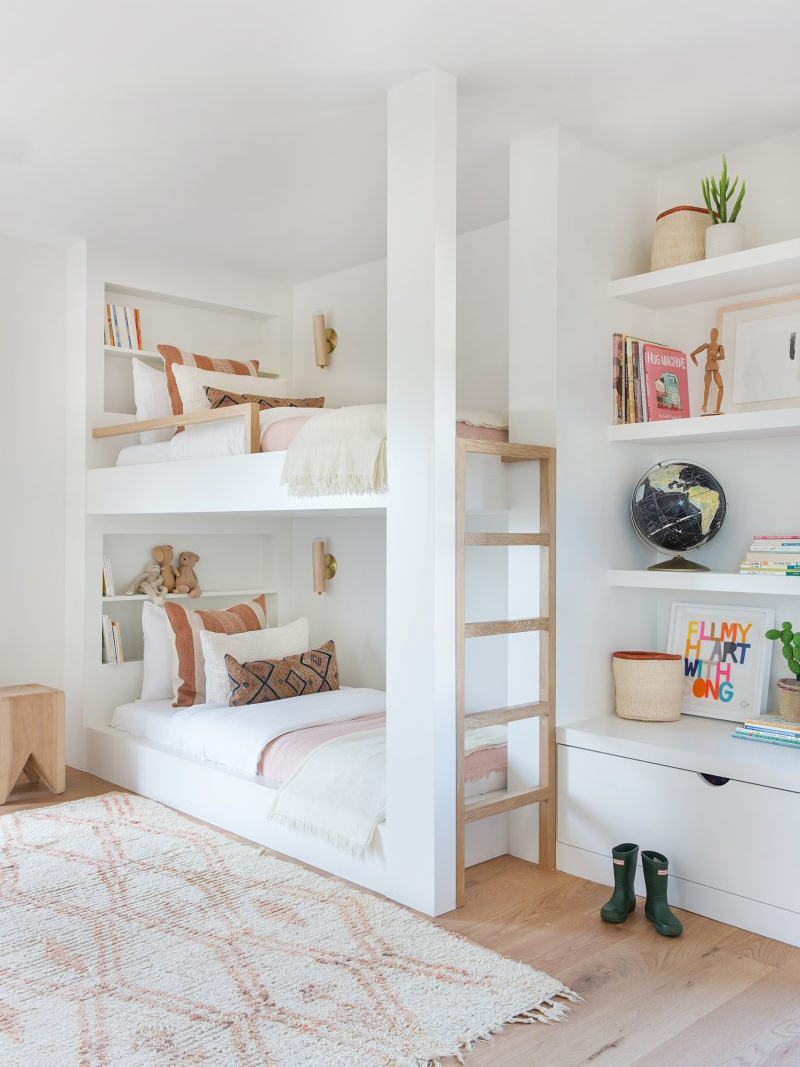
656,909
623,899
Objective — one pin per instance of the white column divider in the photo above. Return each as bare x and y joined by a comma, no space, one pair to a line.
420,571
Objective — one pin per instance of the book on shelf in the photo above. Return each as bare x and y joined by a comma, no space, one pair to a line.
765,740
116,633
773,559
771,730
123,328
650,381
108,578
108,640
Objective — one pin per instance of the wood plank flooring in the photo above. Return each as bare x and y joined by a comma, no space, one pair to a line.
716,997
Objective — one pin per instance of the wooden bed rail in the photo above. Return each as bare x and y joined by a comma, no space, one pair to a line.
248,412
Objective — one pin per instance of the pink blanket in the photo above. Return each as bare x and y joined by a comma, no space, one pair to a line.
279,435
281,757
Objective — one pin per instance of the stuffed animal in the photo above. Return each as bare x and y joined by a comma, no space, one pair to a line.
185,578
163,554
150,583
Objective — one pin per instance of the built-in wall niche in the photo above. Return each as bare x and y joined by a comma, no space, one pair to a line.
211,330
232,568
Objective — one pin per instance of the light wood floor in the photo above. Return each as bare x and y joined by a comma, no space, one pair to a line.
716,997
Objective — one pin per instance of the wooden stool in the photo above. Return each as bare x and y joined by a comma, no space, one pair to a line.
31,737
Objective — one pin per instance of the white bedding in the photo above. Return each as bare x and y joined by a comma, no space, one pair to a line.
159,722
206,441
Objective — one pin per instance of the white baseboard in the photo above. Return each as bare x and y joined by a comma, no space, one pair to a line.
753,915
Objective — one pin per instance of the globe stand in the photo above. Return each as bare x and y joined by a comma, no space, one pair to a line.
677,563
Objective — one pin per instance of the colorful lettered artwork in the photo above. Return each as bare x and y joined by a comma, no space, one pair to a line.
726,658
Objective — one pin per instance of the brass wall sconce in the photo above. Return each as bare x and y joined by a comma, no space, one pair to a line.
324,565
325,339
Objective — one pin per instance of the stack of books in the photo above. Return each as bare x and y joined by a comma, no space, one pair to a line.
108,578
771,729
650,381
773,554
112,642
122,327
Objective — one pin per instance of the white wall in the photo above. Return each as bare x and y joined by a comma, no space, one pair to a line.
32,428
354,303
353,610
771,208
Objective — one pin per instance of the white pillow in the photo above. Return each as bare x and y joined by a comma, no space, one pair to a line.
151,399
273,643
157,672
191,382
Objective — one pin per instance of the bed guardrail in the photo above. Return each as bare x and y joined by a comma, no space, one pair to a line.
247,412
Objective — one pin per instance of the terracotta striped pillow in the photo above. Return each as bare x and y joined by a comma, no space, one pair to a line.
173,355
185,625
316,671
221,398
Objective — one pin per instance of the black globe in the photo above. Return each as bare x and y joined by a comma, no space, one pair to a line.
677,507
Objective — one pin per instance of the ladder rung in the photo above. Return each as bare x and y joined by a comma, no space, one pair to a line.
499,716
502,800
471,539
504,626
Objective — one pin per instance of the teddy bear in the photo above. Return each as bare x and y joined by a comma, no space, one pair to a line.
150,583
163,554
185,578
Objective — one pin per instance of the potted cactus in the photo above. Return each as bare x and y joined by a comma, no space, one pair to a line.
724,234
789,688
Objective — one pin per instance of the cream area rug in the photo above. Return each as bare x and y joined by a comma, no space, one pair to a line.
133,937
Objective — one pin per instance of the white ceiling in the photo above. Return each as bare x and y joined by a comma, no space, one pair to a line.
250,133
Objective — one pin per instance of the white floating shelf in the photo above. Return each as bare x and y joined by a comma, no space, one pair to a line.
157,359
122,598
738,426
753,269
133,353
708,581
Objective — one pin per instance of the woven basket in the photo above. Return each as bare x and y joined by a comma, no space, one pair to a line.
680,237
649,686
789,696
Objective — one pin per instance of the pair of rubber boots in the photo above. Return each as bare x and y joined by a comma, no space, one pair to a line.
623,899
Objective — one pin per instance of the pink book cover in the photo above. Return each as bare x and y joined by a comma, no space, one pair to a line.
666,383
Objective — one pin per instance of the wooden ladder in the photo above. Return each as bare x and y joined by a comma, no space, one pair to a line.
544,709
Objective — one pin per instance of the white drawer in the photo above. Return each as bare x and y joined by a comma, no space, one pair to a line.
737,837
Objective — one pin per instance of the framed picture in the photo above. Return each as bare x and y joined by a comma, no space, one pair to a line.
762,350
726,658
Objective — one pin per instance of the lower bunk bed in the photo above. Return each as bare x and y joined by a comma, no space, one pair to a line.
304,775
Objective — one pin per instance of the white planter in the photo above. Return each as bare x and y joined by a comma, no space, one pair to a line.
723,238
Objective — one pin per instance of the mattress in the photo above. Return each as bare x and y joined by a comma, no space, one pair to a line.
153,720
279,427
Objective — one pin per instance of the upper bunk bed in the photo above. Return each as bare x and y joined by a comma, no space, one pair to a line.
267,453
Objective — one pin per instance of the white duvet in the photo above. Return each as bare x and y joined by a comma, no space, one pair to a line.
236,737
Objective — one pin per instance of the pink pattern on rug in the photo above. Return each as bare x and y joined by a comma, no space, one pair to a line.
281,757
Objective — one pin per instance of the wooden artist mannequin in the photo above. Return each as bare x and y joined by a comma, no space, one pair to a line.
715,353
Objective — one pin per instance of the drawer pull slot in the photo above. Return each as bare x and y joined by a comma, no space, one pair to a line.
713,779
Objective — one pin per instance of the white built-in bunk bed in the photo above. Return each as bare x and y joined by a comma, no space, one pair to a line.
402,590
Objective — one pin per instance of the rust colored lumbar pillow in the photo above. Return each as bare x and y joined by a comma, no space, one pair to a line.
184,626
172,356
276,679
221,398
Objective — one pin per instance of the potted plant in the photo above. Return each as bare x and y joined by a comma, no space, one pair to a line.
789,688
724,234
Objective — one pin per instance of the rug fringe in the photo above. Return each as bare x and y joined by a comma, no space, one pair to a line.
546,1011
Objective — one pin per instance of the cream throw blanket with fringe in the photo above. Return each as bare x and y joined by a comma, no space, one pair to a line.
339,791
339,452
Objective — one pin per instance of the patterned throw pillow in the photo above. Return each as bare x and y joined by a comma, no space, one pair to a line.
221,398
275,679
173,355
184,626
